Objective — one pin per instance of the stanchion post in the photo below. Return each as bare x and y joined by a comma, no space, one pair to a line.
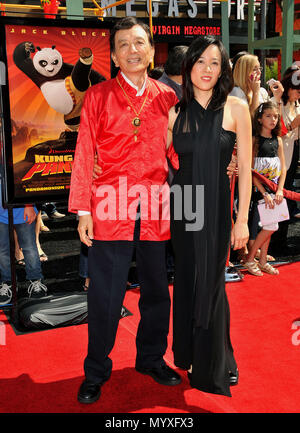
151,27
74,9
287,34
225,25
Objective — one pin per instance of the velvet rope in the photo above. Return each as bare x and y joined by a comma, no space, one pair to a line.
292,195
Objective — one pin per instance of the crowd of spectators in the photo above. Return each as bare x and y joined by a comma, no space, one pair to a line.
285,95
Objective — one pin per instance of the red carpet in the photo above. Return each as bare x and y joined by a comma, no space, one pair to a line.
41,371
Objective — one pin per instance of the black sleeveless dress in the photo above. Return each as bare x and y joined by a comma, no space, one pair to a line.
201,311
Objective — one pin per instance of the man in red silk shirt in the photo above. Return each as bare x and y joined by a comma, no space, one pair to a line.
124,121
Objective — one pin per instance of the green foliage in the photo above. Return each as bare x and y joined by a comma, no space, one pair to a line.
272,71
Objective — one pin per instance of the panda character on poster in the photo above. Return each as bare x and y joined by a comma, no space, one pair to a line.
63,85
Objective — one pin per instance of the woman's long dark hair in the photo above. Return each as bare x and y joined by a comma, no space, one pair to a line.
291,80
224,84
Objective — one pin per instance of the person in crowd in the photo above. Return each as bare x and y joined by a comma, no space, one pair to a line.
49,210
123,120
172,77
204,127
43,227
236,58
39,226
46,211
268,160
172,70
291,69
287,97
24,224
247,84
38,229
246,72
18,251
156,72
83,266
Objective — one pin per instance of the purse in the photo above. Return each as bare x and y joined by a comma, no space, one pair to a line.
272,216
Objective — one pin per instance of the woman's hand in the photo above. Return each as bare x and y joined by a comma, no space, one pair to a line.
296,122
269,202
254,82
277,89
278,196
239,235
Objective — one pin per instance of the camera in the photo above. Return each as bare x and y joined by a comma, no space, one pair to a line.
271,82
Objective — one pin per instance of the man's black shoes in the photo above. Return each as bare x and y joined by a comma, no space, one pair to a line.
89,392
163,375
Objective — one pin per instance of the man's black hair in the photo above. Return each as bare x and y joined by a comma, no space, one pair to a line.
174,61
126,24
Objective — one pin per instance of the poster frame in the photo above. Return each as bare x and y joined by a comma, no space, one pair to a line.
9,197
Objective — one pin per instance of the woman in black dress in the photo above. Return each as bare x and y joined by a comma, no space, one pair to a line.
204,127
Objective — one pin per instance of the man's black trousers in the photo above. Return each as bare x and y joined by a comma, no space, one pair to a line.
109,264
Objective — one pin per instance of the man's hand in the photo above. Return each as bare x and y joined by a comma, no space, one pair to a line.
232,167
85,229
97,169
29,214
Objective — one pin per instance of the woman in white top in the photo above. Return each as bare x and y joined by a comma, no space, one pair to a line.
246,76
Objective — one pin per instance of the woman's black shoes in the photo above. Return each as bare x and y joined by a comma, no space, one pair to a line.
234,378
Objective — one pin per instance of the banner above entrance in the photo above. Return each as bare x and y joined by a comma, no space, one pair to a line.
165,30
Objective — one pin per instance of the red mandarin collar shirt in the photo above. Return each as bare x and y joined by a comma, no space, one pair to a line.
133,172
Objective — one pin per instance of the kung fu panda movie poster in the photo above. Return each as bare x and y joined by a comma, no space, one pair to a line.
49,71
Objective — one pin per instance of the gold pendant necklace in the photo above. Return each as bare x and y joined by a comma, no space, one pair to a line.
136,121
